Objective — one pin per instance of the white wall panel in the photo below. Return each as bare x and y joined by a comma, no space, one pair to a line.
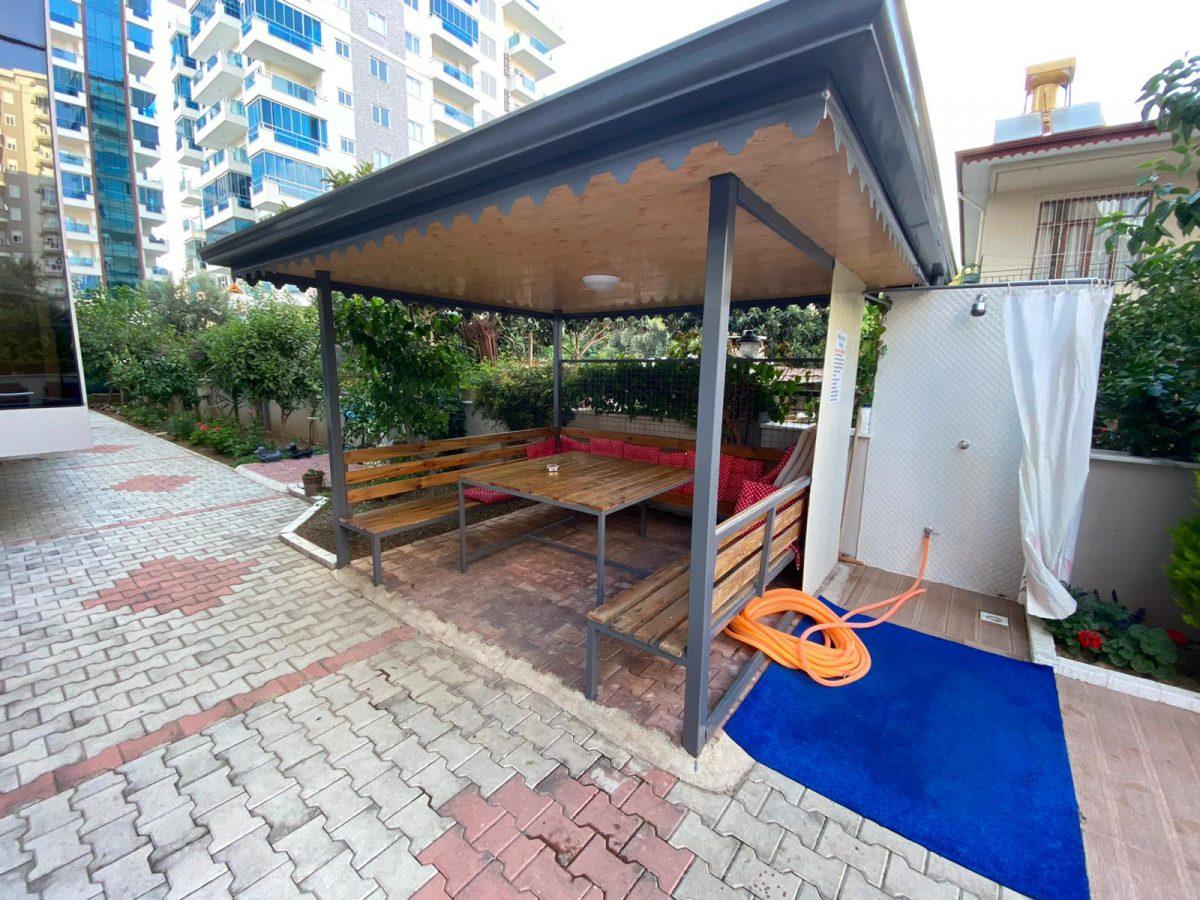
944,379
32,432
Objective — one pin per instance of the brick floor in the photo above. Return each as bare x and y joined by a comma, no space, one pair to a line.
275,734
538,598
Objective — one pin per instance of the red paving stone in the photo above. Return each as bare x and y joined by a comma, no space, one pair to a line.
107,448
153,484
168,583
664,816
456,860
667,863
605,869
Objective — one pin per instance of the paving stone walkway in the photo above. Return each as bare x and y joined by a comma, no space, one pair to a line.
191,709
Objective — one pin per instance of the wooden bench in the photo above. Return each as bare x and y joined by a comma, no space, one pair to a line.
653,614
674,501
411,467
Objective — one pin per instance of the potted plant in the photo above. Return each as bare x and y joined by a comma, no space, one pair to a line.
314,481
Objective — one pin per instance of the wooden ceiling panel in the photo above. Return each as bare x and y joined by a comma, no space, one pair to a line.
651,231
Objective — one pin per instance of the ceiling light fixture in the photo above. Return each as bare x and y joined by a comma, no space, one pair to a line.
601,284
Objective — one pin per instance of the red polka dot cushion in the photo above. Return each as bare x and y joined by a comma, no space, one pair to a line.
684,459
750,492
569,444
640,452
734,470
548,447
607,447
783,461
485,495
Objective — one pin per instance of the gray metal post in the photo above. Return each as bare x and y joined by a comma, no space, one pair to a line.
333,415
718,280
600,538
558,330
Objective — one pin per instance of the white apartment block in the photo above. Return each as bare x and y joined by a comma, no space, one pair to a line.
268,95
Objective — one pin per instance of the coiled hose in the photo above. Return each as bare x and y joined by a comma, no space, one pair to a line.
841,658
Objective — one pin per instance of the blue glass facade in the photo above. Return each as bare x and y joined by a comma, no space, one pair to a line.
289,126
68,81
294,178
283,21
230,188
116,197
455,21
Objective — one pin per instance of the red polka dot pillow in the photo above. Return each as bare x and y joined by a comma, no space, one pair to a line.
734,470
779,466
485,495
684,459
640,452
607,447
750,492
548,447
569,444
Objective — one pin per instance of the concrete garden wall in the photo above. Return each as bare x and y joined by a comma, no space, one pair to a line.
1123,543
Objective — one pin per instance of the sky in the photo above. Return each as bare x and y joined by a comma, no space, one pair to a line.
972,55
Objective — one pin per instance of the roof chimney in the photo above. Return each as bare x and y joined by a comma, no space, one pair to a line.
1046,86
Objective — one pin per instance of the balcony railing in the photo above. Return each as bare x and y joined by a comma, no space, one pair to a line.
229,56
233,107
283,85
537,45
287,138
455,72
296,38
77,227
456,114
64,55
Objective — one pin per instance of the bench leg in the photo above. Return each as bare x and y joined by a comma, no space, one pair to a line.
591,684
462,529
377,560
642,520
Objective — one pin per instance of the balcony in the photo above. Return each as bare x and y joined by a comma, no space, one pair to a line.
68,59
182,64
83,265
146,150
188,152
65,18
157,273
216,26
449,120
78,200
523,87
233,159
223,124
271,194
529,17
227,215
530,54
260,83
139,51
220,77
81,231
153,246
276,45
189,194
457,84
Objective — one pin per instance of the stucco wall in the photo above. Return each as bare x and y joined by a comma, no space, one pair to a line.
1123,542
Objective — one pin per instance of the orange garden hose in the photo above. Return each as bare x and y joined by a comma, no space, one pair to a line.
842,658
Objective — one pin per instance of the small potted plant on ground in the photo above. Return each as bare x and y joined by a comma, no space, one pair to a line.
314,481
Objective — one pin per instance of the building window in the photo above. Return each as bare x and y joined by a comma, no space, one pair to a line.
343,49
413,4
1066,244
10,120
488,83
348,146
14,191
412,43
345,98
487,46
416,132
487,9
414,86
455,21
344,4
381,115
18,238
382,159
376,22
15,214
379,69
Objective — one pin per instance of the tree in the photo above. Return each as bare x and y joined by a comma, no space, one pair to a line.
1149,393
280,357
220,361
116,323
404,369
337,178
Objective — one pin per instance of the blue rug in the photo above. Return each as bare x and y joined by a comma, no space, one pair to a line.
958,749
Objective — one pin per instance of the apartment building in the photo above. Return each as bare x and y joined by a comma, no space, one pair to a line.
269,95
41,391
106,122
1030,202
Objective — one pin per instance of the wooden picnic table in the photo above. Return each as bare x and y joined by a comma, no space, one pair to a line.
584,483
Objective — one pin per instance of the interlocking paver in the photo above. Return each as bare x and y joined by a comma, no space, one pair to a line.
229,718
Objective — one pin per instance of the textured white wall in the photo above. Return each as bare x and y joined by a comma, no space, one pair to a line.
32,432
830,459
943,379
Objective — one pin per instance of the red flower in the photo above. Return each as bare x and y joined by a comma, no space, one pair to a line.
203,427
1090,639
1178,637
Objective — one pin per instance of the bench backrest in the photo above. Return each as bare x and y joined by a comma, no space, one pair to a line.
766,454
745,554
411,467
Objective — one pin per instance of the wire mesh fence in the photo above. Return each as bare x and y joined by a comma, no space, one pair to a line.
765,399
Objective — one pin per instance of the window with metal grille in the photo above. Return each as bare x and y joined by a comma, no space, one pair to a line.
1067,244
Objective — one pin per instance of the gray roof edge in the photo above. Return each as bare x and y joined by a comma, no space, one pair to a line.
773,48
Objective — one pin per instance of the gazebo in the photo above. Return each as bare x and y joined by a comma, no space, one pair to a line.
780,157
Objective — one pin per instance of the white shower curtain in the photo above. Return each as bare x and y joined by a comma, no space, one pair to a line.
1053,335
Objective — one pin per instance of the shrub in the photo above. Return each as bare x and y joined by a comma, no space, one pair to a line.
229,438
1184,568
519,395
181,425
156,377
148,415
1106,630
